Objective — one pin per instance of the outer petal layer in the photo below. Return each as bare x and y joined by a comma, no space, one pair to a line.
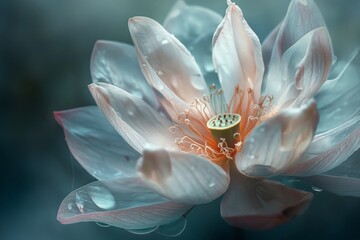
117,64
182,177
261,204
167,58
237,54
306,66
277,143
125,203
96,144
136,121
194,26
302,17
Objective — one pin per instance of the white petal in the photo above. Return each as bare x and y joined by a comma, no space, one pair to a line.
136,121
237,54
167,58
188,23
328,150
117,64
306,66
182,177
125,203
302,17
343,180
96,144
268,45
261,204
338,100
276,144
194,26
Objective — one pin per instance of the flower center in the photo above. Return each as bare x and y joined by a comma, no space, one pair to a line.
216,130
225,127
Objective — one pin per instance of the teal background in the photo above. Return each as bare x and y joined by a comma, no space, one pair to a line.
45,48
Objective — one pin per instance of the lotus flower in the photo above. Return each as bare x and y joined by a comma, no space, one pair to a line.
167,137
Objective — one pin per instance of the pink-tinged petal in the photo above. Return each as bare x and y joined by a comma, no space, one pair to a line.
117,64
261,204
125,203
194,26
328,150
167,58
182,177
343,180
96,145
237,54
306,66
135,121
279,142
302,17
338,100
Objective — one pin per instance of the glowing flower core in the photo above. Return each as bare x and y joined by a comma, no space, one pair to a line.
215,130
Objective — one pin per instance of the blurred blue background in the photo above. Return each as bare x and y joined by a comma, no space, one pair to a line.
45,48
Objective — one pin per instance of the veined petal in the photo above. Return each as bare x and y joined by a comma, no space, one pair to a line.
136,121
194,26
125,203
96,145
306,66
268,45
343,180
261,204
168,58
338,100
182,177
277,143
237,54
188,23
328,150
117,64
302,17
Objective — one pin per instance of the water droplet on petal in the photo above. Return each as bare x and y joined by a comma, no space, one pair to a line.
172,229
160,73
316,189
102,197
69,206
212,184
164,41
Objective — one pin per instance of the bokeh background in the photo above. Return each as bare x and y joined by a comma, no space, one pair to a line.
45,48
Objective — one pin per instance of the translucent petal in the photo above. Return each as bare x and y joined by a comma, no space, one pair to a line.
278,143
329,150
125,203
96,144
261,204
117,64
189,23
168,58
136,121
302,17
237,54
182,177
338,100
194,26
306,66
